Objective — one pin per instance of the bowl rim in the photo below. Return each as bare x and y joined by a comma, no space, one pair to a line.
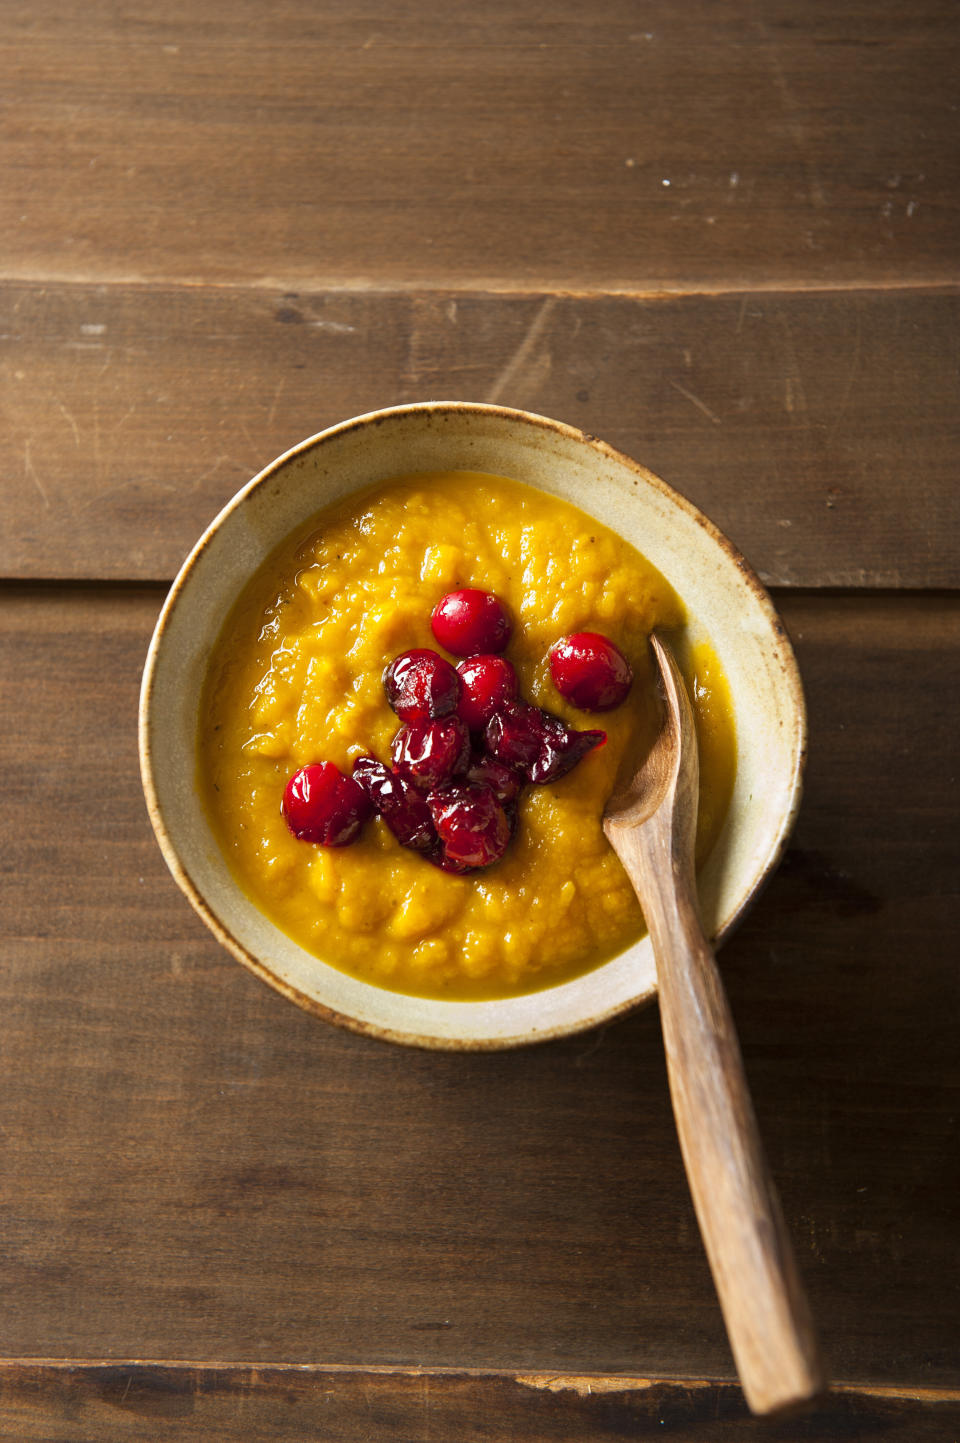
573,434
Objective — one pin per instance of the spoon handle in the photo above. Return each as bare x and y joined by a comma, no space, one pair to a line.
764,1305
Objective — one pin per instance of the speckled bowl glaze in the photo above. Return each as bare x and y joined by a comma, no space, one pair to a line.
724,600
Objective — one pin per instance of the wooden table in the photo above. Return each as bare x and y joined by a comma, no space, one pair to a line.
722,235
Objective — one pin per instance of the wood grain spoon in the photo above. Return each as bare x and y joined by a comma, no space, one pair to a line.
651,825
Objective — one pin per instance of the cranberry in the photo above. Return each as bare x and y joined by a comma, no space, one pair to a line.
428,753
421,684
590,671
469,621
514,735
440,859
488,682
563,747
505,782
539,744
372,776
403,808
321,805
471,824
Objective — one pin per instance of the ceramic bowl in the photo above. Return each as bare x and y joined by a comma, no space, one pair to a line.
725,603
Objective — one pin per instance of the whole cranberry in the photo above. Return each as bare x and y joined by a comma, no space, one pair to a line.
440,859
505,782
590,671
401,805
469,621
321,805
429,753
537,743
471,824
421,684
487,683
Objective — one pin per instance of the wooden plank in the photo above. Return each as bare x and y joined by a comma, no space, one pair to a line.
100,1402
193,1168
820,432
602,148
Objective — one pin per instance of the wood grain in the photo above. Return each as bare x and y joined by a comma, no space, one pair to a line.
183,1402
194,1168
676,147
820,432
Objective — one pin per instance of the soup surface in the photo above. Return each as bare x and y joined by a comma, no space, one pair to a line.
296,677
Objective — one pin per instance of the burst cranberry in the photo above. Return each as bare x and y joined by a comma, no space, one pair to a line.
321,805
421,684
590,671
469,621
514,735
471,825
428,753
488,683
403,808
538,744
372,776
562,748
505,782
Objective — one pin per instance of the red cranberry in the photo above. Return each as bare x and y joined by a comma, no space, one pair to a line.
469,621
372,776
540,745
488,683
471,825
514,735
485,771
563,747
421,684
590,671
321,805
403,808
440,859
428,753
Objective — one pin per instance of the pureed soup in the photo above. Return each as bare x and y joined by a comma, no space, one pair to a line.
297,677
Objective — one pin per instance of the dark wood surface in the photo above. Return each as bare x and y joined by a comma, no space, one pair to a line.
224,227
821,431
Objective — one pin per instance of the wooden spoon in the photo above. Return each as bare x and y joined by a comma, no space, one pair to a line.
651,825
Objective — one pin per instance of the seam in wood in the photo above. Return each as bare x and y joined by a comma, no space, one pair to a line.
483,288
584,1384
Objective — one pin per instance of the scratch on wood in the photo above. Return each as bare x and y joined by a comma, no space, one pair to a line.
695,401
794,121
851,378
524,351
276,397
795,398
29,471
70,419
106,491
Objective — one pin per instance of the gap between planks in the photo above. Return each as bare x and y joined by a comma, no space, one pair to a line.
485,286
552,1381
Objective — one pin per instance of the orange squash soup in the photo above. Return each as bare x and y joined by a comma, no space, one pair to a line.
297,678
